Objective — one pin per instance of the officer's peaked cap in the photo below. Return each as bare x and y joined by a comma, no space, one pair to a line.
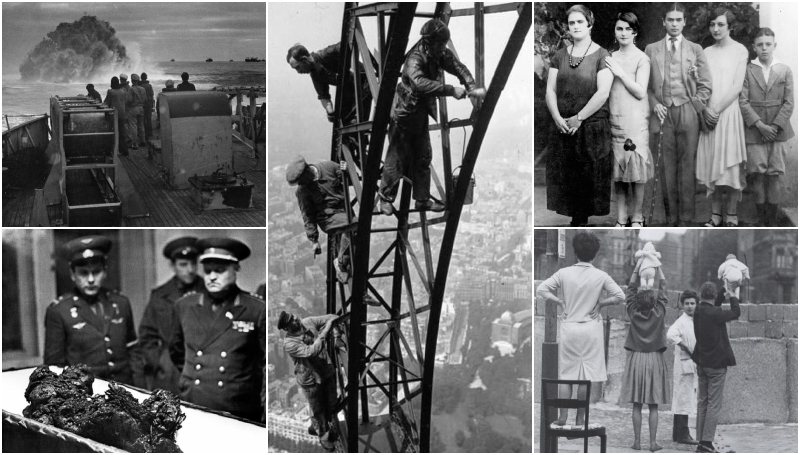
295,169
224,249
181,248
88,247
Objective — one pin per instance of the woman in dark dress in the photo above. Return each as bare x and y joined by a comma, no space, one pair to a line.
580,162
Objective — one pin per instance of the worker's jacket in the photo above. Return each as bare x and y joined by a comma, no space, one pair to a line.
307,350
322,201
420,82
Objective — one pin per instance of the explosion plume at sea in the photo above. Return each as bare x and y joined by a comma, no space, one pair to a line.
85,49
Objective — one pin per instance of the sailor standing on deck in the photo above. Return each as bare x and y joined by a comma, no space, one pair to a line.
219,336
155,329
137,96
116,97
92,325
148,105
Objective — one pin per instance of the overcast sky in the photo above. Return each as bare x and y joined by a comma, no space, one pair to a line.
296,120
163,31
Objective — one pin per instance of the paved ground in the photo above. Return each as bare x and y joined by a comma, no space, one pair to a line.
545,218
746,438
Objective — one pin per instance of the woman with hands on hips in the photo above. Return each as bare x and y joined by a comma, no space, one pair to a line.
580,354
645,380
579,163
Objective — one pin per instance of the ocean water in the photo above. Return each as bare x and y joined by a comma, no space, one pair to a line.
24,97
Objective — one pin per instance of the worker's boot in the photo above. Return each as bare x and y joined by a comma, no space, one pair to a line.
429,205
386,207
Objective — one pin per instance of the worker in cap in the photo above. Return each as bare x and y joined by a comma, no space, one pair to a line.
409,153
219,335
324,67
305,343
91,324
155,330
169,86
321,197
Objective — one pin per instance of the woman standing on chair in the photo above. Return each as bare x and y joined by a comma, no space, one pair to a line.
721,151
630,113
646,380
580,354
579,163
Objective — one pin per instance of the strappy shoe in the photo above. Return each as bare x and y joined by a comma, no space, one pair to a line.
711,223
731,223
618,224
640,224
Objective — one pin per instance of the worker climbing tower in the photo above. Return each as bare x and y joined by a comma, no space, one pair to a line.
385,371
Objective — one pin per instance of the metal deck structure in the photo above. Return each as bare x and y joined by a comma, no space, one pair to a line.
385,377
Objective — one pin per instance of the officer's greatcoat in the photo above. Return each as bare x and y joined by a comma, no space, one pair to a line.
222,354
75,334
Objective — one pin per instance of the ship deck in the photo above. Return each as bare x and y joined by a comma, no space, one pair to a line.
167,207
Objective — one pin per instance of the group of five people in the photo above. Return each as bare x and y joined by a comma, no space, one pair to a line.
700,338
714,117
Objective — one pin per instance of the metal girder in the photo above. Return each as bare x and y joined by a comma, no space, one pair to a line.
392,58
484,116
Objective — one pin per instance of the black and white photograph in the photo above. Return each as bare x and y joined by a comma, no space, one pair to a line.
399,286
134,340
134,114
665,114
699,324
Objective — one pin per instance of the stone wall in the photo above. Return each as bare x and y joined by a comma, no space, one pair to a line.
762,387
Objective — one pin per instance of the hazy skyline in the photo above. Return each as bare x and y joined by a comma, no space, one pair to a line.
154,31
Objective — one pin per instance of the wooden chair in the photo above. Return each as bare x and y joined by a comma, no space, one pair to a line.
551,434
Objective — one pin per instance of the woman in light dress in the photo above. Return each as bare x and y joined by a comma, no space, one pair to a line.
580,354
630,112
721,151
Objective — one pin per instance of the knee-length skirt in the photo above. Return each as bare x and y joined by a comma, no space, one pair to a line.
646,380
580,353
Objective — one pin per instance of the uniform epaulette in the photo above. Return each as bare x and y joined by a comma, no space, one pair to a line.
62,298
256,295
188,293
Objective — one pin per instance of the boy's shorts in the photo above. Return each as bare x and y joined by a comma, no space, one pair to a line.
766,158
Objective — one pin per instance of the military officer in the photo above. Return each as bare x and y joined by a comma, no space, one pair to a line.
219,336
92,325
155,329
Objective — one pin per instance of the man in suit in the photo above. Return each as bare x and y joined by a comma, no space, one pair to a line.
713,355
220,334
155,329
92,325
679,90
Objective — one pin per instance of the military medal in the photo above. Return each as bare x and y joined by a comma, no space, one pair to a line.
74,312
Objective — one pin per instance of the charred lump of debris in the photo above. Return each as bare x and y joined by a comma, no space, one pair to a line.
116,418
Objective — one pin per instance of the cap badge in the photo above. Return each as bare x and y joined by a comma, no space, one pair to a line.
229,315
88,254
87,241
